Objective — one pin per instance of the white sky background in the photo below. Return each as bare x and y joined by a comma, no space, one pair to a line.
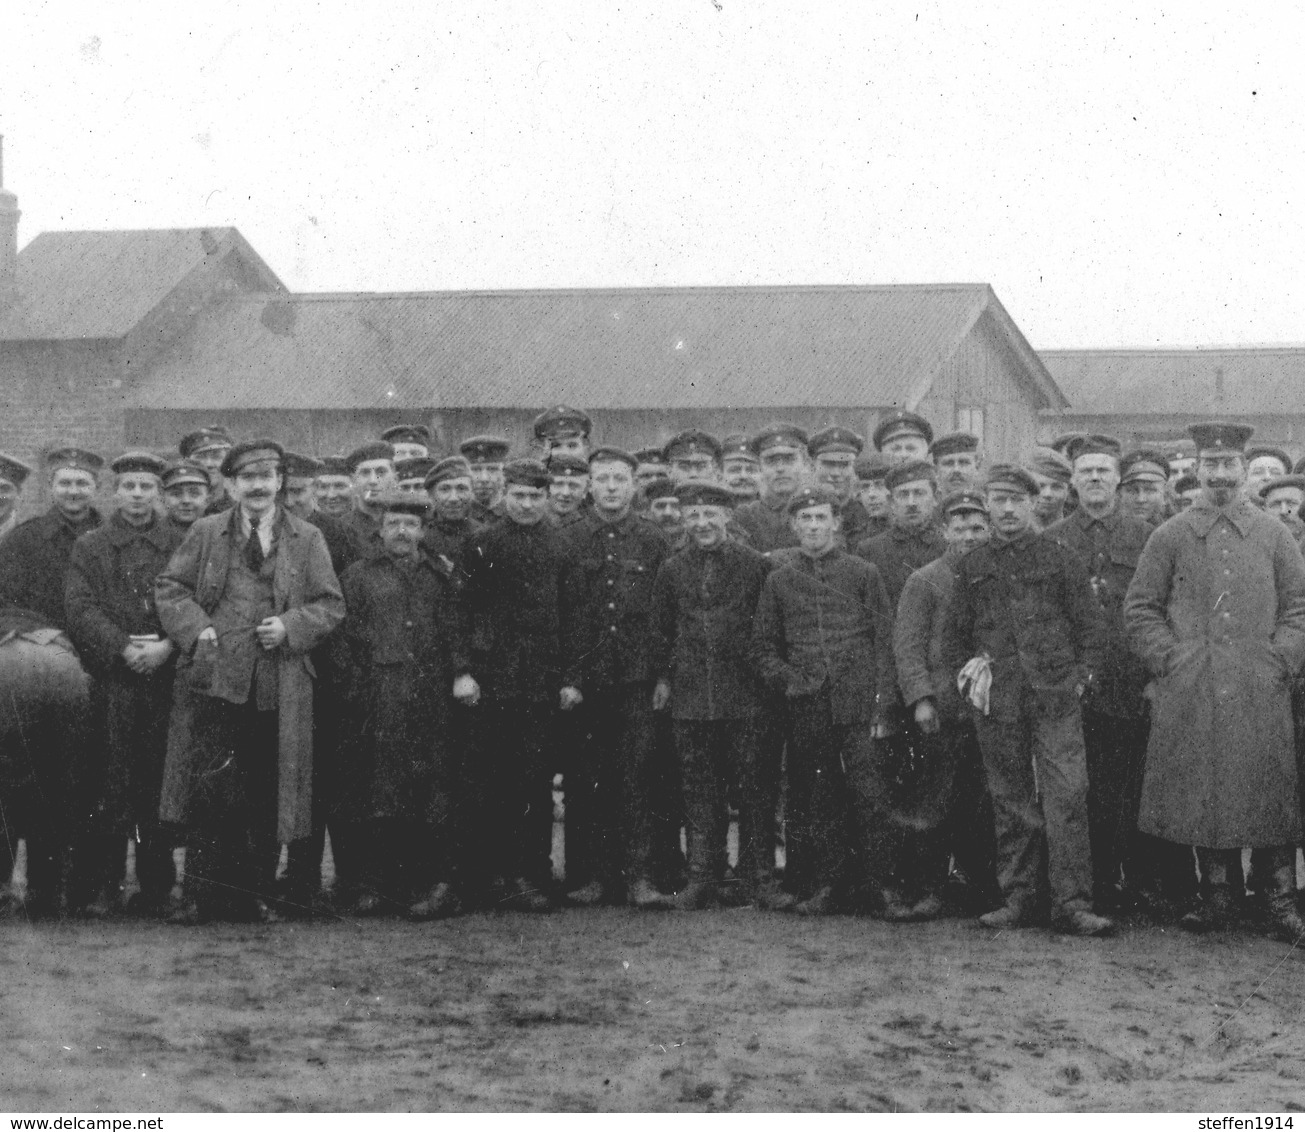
1122,174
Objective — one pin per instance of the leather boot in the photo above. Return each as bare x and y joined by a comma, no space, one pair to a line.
1285,921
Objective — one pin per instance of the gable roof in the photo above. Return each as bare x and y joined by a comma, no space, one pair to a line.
684,347
1250,380
83,285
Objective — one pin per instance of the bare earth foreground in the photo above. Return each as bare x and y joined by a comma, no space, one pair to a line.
611,1010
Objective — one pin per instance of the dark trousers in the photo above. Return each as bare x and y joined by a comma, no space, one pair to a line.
945,812
607,804
400,858
840,819
715,755
233,848
759,824
511,792
666,817
1037,775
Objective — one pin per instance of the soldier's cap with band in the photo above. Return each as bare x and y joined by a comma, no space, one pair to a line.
610,453
962,500
526,472
1091,443
1272,485
63,454
260,451
691,442
404,503
650,456
779,435
561,464
658,487
407,434
954,443
1010,477
414,468
1050,463
185,471
1143,465
450,468
372,450
14,471
334,465
301,467
137,460
561,422
910,472
1179,450
704,493
1065,440
205,439
873,467
736,446
1257,450
1220,436
485,449
836,438
811,496
902,422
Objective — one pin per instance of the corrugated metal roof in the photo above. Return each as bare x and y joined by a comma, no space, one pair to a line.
79,285
621,349
1217,381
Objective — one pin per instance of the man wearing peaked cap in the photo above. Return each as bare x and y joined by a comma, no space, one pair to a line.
245,598
1181,456
208,446
1053,474
871,471
1084,443
913,536
563,430
956,456
649,463
334,487
1106,541
186,486
822,639
833,452
300,496
448,484
568,487
1023,616
607,668
1283,496
947,806
903,435
1186,489
485,455
113,621
404,648
740,469
410,441
13,474
704,597
1221,767
1064,442
781,451
34,555
410,473
1143,485
371,474
513,598
662,508
692,454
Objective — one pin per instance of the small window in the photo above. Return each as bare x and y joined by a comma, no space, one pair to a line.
971,421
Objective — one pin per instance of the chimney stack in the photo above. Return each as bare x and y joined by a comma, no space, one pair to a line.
9,215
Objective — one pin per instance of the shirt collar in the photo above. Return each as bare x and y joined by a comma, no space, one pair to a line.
1202,515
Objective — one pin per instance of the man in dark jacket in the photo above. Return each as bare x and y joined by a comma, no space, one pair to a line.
913,537
371,467
208,447
404,648
781,450
186,491
609,672
833,453
34,555
704,599
822,636
451,528
1026,634
513,598
113,622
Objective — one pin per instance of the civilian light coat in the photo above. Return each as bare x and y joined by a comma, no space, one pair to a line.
1217,611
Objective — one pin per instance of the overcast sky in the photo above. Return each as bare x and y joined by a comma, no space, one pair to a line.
1121,174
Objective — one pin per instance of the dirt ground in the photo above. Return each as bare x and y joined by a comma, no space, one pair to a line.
613,1010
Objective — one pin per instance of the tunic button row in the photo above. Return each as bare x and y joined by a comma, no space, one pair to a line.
612,605
610,582
613,628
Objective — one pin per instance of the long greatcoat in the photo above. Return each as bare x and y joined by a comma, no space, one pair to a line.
1217,611
305,595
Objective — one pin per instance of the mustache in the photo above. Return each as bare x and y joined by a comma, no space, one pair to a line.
1221,483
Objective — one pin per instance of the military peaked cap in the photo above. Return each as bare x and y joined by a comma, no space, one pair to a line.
835,439
407,434
909,472
65,455
1220,436
251,452
527,473
485,449
138,461
372,450
562,421
1010,477
704,493
15,471
901,422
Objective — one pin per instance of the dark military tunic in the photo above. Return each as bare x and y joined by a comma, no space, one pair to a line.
767,524
34,559
451,538
898,553
856,524
364,534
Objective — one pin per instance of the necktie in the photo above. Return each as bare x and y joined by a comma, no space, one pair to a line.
254,550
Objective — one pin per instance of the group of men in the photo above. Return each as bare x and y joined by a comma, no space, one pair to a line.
1021,692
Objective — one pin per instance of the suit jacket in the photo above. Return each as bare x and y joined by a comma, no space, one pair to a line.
34,561
306,596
